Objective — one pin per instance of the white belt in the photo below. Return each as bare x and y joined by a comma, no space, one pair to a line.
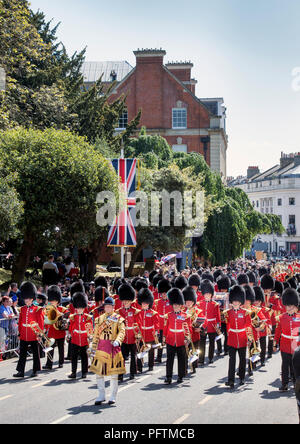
291,337
211,320
148,328
129,328
26,325
80,332
161,316
176,331
237,331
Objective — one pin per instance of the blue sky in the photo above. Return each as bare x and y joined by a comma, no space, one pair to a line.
242,50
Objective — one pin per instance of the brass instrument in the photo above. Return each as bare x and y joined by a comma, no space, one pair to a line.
144,349
254,351
192,354
54,317
157,343
90,332
45,342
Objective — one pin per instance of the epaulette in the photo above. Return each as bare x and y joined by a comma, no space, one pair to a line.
247,311
89,317
155,312
40,308
72,316
137,311
64,309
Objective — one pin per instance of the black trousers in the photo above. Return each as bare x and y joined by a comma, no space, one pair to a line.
232,363
150,359
130,349
271,342
287,368
82,352
211,351
219,342
60,344
24,346
263,348
181,358
160,350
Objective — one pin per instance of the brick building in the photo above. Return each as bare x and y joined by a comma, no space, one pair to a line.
166,95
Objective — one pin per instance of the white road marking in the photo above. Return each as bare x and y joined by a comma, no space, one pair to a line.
181,419
58,421
41,383
205,400
6,397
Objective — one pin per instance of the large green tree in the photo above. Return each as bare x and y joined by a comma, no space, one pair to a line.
11,209
58,176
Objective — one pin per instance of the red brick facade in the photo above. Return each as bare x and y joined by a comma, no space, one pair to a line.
156,89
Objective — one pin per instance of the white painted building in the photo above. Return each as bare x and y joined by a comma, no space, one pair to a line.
277,191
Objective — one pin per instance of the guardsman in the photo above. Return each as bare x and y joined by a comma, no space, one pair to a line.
238,327
224,285
54,331
108,360
296,366
129,314
97,309
80,326
194,282
162,307
212,324
261,333
267,283
148,322
177,332
288,334
29,314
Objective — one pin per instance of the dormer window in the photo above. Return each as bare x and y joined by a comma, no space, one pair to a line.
113,76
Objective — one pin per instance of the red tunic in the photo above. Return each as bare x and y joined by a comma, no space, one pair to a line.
176,328
200,297
78,328
52,332
28,315
163,307
130,315
211,311
264,315
148,321
288,332
238,321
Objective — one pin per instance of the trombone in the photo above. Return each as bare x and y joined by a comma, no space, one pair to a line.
192,354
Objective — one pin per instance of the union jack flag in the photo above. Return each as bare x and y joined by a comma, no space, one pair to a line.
122,233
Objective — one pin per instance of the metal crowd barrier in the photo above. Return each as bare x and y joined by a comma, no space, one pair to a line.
9,340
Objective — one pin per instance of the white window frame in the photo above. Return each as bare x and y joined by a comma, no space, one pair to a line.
178,109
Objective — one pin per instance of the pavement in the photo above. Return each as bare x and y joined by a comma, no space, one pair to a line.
51,398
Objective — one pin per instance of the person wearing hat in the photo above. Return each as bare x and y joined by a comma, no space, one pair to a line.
76,287
97,309
29,314
148,322
223,285
162,306
177,332
260,334
267,283
53,331
79,329
276,308
129,314
238,327
109,334
195,282
158,277
287,333
296,366
194,313
212,314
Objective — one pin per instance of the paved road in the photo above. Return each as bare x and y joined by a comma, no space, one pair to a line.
202,399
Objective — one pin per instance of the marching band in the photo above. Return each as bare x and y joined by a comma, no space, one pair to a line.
235,310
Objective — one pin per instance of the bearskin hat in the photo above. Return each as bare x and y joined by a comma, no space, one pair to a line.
77,287
194,280
126,292
290,297
223,283
28,291
207,275
109,301
54,294
141,283
151,275
156,279
145,296
207,287
243,279
80,300
233,282
164,286
237,294
286,285
279,287
293,283
217,274
101,293
181,282
267,282
252,277
259,294
262,271
250,295
101,281
189,294
175,297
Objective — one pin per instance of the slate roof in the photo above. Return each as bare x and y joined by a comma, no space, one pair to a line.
92,71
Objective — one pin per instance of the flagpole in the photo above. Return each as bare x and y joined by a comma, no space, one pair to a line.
122,248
